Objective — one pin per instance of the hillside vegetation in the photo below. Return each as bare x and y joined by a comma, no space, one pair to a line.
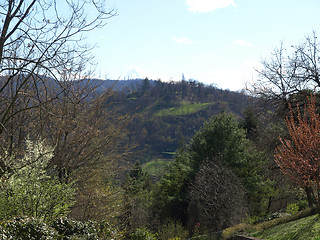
166,115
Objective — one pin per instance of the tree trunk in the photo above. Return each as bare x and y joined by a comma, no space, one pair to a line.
309,196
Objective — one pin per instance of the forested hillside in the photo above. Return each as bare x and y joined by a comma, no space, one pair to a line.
166,115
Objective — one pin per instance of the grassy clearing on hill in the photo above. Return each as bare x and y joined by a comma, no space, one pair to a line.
305,228
183,109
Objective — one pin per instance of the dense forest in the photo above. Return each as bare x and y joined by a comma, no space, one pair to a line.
82,158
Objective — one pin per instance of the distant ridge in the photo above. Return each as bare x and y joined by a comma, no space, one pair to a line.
117,85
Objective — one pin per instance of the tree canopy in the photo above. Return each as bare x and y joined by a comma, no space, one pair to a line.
220,138
299,156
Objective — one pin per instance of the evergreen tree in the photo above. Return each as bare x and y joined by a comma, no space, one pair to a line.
220,138
137,188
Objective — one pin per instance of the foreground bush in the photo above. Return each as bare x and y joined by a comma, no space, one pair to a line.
173,231
22,228
31,189
143,234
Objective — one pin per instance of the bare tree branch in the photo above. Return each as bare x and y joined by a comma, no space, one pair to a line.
289,72
42,54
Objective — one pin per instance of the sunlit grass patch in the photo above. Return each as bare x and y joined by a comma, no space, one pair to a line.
184,108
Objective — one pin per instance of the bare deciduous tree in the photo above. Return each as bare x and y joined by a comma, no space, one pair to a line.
42,54
46,93
299,157
217,198
288,73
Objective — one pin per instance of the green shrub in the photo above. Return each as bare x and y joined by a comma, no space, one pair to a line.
69,228
22,228
172,230
90,230
30,190
143,234
302,204
106,231
251,219
292,208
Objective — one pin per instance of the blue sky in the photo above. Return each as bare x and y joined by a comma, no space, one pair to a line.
213,41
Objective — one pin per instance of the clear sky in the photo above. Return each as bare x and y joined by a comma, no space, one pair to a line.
213,41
